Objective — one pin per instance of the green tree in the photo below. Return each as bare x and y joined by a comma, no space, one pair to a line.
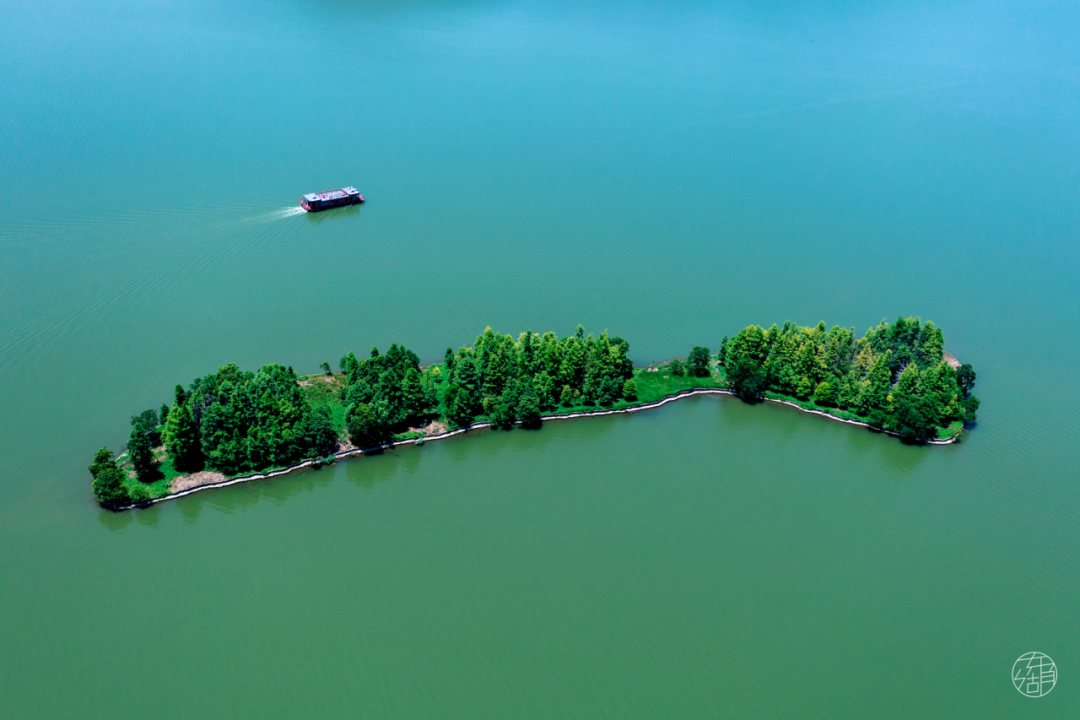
448,358
368,425
824,395
528,406
873,399
163,414
181,396
567,396
677,368
325,368
629,389
699,361
182,440
457,407
722,352
141,452
745,358
413,396
467,380
965,379
108,483
969,406
544,386
139,495
109,488
147,420
913,419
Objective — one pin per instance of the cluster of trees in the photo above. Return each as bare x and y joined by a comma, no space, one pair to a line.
236,421
497,377
895,376
510,380
385,393
231,421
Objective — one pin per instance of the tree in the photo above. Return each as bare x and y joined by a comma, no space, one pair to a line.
457,406
109,488
567,396
368,425
182,440
102,459
181,396
968,407
699,361
163,414
824,395
141,452
745,358
629,389
448,358
467,380
544,386
528,406
108,483
677,367
965,379
139,495
722,352
913,419
325,368
147,420
413,395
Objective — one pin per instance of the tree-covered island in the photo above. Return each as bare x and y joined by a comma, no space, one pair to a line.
231,423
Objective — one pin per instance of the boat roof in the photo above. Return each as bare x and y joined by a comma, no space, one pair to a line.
332,194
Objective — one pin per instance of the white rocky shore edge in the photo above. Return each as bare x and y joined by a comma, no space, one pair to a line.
482,425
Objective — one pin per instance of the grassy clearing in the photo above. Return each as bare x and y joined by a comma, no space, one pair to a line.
653,386
327,391
160,486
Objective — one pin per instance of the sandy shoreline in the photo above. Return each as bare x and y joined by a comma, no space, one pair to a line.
344,454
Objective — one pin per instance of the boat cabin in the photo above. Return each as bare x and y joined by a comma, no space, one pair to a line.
313,202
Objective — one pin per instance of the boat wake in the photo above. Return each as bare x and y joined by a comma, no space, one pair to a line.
287,212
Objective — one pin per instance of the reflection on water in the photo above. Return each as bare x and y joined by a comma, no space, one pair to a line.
316,218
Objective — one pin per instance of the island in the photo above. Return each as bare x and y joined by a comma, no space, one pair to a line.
234,425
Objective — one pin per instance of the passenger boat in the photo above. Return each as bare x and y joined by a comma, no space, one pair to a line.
313,202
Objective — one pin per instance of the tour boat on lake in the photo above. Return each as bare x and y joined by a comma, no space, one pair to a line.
313,202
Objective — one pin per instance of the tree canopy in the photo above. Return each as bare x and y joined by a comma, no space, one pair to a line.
895,375
235,421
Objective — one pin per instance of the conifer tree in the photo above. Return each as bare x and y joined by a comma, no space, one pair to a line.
528,406
182,440
699,361
368,425
413,395
108,483
141,453
629,389
745,357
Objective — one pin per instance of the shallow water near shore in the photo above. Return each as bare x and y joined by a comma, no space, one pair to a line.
670,173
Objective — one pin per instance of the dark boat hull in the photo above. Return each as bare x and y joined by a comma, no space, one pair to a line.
331,204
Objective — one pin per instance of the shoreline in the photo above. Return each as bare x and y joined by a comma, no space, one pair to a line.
345,454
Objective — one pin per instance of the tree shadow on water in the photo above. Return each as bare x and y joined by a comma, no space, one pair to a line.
240,497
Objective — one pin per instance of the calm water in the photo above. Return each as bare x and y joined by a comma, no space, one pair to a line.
671,172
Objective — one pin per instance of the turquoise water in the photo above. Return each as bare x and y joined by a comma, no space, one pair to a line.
669,172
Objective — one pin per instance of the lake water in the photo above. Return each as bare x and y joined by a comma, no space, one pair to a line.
669,171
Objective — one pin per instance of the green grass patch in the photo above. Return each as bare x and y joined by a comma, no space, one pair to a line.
653,386
160,486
